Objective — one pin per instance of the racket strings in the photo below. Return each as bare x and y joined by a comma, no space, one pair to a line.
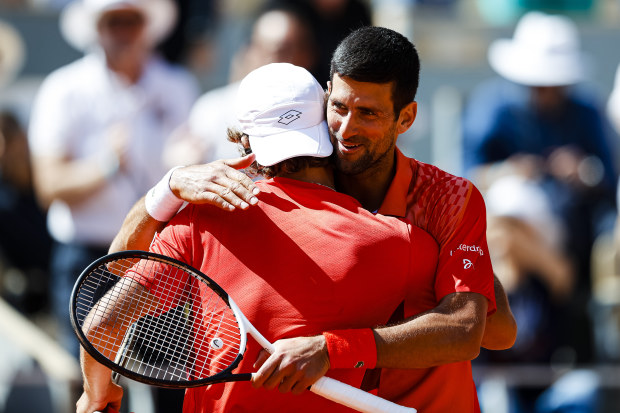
180,331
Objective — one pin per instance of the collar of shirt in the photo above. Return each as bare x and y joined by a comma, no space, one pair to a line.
395,201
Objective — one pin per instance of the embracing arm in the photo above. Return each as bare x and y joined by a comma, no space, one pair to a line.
137,230
449,333
217,183
500,331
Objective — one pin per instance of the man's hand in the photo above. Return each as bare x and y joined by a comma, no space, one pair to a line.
217,183
296,364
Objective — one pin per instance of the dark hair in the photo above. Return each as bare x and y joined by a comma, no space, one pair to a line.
379,55
287,166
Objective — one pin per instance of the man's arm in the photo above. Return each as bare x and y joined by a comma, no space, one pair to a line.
137,230
102,321
99,389
217,183
449,333
73,180
500,331
452,332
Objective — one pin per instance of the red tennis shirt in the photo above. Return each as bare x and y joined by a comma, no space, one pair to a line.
305,260
452,210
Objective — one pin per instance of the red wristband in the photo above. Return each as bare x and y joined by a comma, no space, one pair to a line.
351,348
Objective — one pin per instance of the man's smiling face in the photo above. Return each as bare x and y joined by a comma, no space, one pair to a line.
362,123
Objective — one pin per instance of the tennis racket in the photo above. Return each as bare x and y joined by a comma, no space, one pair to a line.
187,332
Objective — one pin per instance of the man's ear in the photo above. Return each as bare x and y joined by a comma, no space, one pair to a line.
406,117
327,92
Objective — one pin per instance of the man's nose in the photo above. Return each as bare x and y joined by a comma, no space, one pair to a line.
348,126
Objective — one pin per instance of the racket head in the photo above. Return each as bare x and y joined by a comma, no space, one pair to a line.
189,337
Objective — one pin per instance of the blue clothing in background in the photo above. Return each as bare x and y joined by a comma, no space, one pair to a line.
500,122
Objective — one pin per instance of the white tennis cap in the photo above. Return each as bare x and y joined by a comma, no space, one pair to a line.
280,107
544,51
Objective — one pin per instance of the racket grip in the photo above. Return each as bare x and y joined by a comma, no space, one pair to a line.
355,398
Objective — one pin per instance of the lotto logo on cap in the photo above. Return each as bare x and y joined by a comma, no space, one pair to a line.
280,107
289,117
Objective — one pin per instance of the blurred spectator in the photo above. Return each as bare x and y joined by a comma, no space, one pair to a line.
606,265
613,112
280,34
540,151
195,19
24,240
533,123
12,53
332,21
613,103
501,12
98,129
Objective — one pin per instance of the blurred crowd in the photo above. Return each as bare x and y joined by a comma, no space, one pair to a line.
536,139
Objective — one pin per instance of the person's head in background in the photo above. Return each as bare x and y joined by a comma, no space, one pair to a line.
280,34
374,78
281,113
331,21
544,55
126,30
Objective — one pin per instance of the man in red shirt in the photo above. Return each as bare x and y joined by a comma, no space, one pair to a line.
313,267
370,103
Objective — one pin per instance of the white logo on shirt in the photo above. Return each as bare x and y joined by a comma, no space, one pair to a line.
467,264
470,248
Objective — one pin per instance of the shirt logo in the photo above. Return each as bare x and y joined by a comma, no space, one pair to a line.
470,248
290,116
467,264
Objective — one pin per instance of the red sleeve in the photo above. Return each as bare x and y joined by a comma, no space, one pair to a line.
464,262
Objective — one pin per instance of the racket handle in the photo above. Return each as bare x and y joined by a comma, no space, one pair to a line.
355,398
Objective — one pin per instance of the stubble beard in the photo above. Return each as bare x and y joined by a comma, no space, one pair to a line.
364,164
355,167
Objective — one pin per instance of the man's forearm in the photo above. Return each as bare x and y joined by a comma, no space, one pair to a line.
137,230
451,332
95,375
99,390
500,332
69,181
